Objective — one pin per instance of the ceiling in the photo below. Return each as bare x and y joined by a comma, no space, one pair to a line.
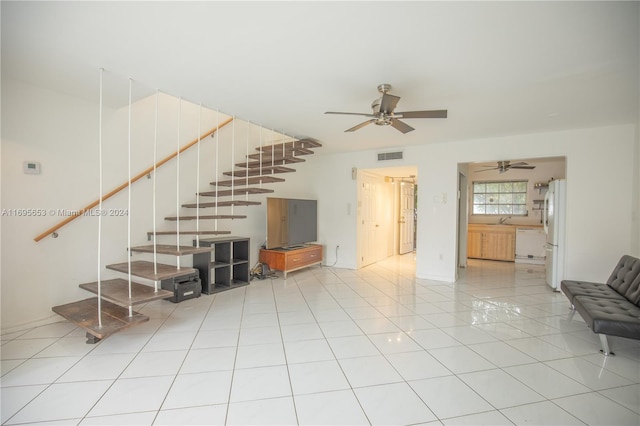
500,68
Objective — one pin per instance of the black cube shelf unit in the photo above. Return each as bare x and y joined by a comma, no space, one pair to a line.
224,268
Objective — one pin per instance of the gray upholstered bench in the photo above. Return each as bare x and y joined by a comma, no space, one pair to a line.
611,308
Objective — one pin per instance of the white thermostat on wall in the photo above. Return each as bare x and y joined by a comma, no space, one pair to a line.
31,167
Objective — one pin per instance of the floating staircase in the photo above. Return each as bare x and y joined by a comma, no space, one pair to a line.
170,249
150,234
222,204
266,162
264,170
277,153
249,181
84,313
207,217
293,148
117,291
118,297
236,191
144,269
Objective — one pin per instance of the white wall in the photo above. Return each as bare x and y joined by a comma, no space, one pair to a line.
34,130
635,229
599,161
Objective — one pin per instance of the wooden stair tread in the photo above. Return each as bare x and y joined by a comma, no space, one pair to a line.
236,191
117,291
84,313
251,181
208,216
144,269
264,170
185,232
268,149
302,143
270,161
265,155
222,204
171,249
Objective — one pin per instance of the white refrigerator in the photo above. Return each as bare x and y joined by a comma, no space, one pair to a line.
554,228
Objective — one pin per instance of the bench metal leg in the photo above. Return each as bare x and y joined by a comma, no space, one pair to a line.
605,345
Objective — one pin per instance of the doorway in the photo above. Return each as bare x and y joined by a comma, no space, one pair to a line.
534,172
407,221
386,214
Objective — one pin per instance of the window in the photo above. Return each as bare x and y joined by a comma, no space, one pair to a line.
500,198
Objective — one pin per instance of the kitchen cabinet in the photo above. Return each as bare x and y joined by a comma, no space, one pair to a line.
492,242
474,243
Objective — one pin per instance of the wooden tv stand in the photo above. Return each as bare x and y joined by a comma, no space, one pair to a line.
292,259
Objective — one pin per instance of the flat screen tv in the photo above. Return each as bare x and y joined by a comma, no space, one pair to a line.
291,222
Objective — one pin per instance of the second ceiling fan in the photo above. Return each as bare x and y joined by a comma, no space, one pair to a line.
383,112
504,166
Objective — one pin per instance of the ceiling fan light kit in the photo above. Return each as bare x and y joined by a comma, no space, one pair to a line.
383,113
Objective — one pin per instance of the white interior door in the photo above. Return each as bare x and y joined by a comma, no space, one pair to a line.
376,219
375,212
407,212
368,220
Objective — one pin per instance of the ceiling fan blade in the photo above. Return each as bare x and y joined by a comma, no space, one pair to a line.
436,113
360,126
399,125
388,103
351,113
486,170
515,166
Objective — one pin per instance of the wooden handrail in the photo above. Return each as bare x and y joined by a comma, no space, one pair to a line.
77,213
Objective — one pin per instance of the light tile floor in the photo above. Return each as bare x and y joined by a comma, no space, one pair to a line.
334,346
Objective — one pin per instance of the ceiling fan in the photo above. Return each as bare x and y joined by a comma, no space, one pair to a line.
505,166
383,112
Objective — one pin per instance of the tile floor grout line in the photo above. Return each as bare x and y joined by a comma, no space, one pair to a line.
175,377
54,381
85,416
382,289
286,361
333,352
235,358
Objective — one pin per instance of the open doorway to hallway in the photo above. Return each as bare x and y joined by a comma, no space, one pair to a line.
386,214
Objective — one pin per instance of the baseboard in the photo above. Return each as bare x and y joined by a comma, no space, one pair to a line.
33,324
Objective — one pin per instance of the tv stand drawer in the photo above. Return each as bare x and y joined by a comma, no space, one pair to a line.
292,260
306,256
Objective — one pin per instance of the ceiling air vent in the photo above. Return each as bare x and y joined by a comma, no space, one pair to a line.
384,156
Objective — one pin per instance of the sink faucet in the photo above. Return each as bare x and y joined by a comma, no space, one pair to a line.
503,219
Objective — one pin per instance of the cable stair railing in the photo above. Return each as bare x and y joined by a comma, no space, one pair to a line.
112,309
114,292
